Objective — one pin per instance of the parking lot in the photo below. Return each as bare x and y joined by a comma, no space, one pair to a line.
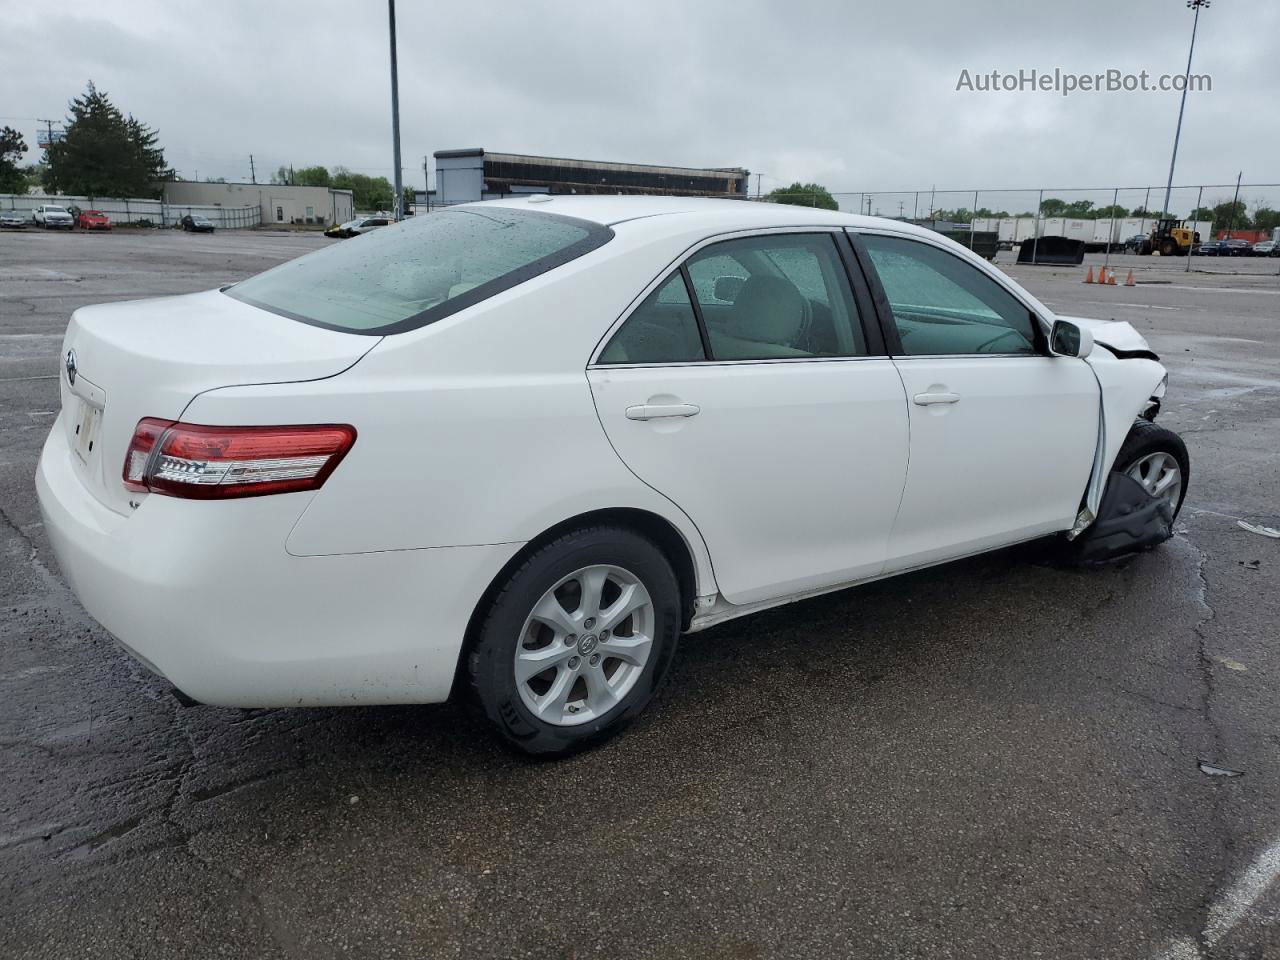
995,758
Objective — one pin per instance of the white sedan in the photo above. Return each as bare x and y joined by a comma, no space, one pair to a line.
528,443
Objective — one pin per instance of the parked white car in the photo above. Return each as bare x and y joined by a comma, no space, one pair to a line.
530,442
50,216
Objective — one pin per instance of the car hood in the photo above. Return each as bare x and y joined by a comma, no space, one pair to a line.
1112,333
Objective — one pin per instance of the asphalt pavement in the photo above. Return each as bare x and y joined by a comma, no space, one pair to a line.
995,758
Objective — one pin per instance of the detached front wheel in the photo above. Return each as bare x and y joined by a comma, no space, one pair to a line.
577,641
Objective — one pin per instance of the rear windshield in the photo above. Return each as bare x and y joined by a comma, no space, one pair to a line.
413,273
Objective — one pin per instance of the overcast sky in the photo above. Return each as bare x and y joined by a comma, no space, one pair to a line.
857,96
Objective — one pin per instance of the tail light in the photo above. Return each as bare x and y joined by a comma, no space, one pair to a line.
215,463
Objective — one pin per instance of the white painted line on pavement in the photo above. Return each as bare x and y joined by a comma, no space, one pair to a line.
1230,907
1181,949
1176,286
1243,894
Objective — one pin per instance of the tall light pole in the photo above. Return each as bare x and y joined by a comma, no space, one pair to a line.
1186,82
395,114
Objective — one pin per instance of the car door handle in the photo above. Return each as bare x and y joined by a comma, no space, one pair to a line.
925,399
656,411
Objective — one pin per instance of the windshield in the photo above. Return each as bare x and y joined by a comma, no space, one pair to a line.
413,273
54,210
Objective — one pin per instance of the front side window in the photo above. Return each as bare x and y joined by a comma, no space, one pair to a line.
413,273
776,297
944,306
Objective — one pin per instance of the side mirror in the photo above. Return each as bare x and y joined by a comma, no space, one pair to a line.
1066,339
728,288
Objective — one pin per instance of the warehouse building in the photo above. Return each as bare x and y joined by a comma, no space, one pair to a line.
477,174
279,203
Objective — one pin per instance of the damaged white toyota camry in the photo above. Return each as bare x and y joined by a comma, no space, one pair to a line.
521,446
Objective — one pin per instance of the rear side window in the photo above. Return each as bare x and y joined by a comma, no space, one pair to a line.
775,297
663,329
410,274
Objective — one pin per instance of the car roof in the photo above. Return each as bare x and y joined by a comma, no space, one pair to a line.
712,212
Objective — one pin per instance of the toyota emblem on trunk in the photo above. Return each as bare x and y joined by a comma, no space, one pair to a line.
71,367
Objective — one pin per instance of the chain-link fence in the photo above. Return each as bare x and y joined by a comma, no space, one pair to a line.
138,211
1096,215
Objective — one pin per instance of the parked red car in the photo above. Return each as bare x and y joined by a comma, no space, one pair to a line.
93,220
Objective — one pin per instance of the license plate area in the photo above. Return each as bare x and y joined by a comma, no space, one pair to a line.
87,424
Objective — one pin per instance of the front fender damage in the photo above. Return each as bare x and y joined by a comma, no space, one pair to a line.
1129,519
1126,389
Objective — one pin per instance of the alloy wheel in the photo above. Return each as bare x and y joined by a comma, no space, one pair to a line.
584,645
1160,476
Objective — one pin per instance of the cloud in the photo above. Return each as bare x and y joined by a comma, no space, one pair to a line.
856,96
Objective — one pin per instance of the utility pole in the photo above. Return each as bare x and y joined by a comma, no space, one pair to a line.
253,174
48,125
1186,82
395,113
1231,220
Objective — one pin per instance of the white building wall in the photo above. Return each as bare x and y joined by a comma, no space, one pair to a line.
279,203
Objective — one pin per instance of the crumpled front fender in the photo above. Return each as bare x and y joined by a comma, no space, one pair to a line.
1125,387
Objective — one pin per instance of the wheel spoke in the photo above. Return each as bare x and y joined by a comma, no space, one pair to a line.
530,663
550,705
633,649
632,598
592,582
601,697
550,612
1170,479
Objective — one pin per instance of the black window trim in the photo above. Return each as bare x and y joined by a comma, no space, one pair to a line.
884,312
597,236
859,293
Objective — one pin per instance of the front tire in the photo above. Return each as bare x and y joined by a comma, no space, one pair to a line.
576,641
1157,459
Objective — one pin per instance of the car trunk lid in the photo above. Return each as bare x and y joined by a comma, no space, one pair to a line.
149,358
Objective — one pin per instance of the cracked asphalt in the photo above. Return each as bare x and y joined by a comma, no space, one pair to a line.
995,758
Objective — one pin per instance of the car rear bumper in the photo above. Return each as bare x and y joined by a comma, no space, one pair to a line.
205,594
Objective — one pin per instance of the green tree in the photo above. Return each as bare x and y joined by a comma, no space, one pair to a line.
104,153
1264,218
311,177
12,147
1231,215
1052,207
1202,213
33,175
368,193
1112,211
804,195
316,176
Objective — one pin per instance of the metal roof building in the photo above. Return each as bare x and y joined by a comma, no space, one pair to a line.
477,174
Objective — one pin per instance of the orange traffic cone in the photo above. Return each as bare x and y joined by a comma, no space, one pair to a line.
1088,277
1111,278
1129,281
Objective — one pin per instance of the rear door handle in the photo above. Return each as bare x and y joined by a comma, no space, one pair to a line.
656,411
926,399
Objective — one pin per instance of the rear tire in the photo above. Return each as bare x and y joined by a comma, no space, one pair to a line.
563,608
1168,248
